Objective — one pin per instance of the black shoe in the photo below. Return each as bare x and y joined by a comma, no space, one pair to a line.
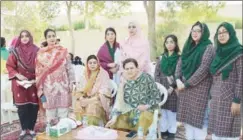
164,135
171,136
132,134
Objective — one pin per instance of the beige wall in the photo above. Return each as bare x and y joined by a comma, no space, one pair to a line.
88,42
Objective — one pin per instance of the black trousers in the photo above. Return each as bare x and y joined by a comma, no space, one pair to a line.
28,116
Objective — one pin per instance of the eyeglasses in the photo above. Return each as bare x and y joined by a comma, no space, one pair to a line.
129,27
223,33
196,31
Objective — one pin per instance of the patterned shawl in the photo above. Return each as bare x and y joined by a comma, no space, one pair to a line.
48,60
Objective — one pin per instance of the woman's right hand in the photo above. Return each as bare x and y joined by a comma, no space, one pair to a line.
235,109
84,102
111,122
111,65
208,137
21,77
44,105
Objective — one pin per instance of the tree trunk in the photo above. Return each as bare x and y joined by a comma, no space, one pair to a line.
69,8
150,10
86,16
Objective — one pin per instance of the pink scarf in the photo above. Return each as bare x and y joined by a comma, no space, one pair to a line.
137,47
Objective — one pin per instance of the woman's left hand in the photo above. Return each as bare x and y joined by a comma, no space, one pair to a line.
235,109
142,107
84,102
114,70
180,85
208,137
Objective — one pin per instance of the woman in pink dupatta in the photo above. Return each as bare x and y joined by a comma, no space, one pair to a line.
136,46
93,101
54,78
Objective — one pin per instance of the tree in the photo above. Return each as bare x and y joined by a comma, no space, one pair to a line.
109,9
150,10
192,11
49,10
69,5
19,15
169,25
178,14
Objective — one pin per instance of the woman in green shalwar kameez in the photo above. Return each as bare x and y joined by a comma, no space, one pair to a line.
137,98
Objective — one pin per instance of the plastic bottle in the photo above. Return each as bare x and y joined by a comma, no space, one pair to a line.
85,121
140,132
152,135
48,125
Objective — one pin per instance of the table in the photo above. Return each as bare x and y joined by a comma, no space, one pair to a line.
72,134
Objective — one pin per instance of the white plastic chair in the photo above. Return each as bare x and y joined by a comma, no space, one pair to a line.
10,109
163,91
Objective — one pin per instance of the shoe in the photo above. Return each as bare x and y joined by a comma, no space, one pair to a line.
171,136
132,134
164,135
32,133
22,135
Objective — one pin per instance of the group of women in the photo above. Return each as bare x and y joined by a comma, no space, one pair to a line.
204,82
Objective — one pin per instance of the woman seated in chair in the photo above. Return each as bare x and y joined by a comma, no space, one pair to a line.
136,99
93,101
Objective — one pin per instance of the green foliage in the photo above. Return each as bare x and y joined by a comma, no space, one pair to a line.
78,25
116,9
27,15
177,14
237,21
238,24
191,11
8,5
49,9
62,28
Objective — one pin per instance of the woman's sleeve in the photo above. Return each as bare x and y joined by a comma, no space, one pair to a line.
239,84
203,69
105,93
70,72
157,72
144,60
103,63
154,93
38,69
178,73
11,66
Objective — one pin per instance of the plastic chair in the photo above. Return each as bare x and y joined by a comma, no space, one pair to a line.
163,91
10,109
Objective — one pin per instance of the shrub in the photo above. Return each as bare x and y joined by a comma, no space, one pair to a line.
62,28
238,24
78,25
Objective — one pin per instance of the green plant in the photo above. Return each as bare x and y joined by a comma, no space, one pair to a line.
78,25
238,24
62,28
